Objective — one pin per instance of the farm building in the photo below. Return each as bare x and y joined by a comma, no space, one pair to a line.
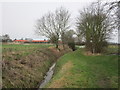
31,41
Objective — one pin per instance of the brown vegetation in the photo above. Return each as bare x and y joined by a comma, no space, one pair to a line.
28,71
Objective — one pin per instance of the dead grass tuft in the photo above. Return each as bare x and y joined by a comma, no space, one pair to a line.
88,53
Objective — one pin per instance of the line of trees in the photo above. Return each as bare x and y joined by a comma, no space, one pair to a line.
94,24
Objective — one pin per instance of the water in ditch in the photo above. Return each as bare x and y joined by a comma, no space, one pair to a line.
48,76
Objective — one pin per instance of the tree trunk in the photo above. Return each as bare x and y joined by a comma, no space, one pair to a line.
56,46
63,46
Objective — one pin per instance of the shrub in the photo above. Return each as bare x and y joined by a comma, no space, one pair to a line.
72,45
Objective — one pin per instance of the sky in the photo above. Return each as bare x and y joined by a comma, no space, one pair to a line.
18,18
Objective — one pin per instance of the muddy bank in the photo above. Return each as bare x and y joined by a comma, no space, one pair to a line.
28,71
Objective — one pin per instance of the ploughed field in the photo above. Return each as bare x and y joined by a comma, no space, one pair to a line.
24,65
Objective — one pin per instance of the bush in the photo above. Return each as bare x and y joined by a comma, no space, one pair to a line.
72,45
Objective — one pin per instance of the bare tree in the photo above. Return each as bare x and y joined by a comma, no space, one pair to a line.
114,10
46,26
63,20
68,36
53,25
68,39
94,23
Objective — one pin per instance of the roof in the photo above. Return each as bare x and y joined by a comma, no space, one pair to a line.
39,40
31,41
21,40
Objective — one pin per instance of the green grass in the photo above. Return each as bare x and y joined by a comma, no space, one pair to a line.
85,71
16,51
112,49
18,47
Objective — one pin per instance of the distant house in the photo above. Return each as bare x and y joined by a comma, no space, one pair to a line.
40,41
31,41
20,41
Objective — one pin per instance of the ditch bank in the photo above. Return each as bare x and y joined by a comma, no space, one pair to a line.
29,71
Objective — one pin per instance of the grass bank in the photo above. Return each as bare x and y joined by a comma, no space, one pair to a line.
24,66
76,70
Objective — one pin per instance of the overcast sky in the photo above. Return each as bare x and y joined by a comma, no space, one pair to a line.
18,19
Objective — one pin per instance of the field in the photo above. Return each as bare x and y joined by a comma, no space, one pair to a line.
77,70
16,51
113,49
24,66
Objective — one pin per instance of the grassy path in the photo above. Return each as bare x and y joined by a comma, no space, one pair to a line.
75,70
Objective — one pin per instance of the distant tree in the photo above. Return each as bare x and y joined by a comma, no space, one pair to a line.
80,39
21,39
14,39
44,39
68,39
6,38
68,36
52,25
94,24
